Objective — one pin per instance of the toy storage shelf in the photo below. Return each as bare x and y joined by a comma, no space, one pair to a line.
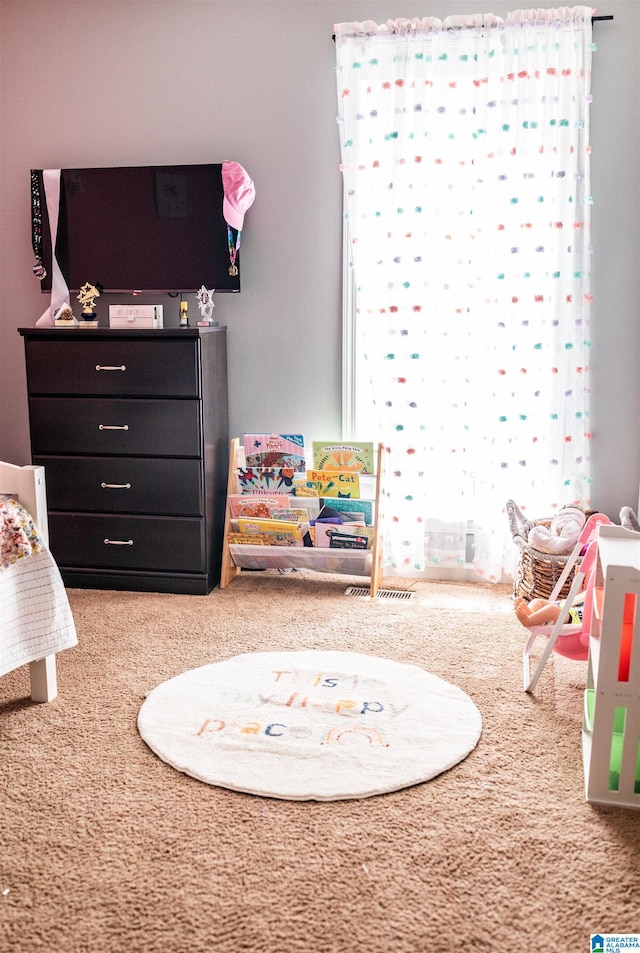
343,561
611,721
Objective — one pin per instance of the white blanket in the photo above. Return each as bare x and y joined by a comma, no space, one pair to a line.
563,533
35,617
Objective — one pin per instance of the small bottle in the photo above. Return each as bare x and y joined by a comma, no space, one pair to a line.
184,317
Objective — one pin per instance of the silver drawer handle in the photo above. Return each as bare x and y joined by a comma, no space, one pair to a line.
118,542
113,427
111,367
115,486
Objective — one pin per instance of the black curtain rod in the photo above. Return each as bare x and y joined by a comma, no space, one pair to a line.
609,16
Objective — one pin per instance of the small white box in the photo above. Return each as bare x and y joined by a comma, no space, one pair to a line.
135,316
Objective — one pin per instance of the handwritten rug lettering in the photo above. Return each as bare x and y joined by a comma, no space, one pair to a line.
310,725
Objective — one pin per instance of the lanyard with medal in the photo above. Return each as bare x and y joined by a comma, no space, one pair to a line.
233,250
36,226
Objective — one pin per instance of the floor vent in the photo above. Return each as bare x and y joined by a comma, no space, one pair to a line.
402,594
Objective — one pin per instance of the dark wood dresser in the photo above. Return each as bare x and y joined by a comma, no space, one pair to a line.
132,429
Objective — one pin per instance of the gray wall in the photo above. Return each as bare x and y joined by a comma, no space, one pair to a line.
135,82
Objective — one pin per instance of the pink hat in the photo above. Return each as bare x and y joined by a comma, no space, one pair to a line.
239,193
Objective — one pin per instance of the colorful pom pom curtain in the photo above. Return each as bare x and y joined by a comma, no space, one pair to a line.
465,161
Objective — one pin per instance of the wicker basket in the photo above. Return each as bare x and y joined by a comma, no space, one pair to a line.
537,572
628,519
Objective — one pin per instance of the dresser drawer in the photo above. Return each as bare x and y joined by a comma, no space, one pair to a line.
133,427
163,486
127,542
117,367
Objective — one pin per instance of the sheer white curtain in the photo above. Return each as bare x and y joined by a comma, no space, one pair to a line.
465,159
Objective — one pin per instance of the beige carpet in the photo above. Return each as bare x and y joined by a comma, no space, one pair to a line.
107,849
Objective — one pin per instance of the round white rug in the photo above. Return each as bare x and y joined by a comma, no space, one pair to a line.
310,725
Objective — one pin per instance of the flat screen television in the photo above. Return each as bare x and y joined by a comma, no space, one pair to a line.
156,229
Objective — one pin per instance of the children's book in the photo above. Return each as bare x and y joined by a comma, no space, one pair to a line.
331,513
292,461
343,456
309,504
261,507
335,483
362,506
268,526
240,539
301,489
347,541
290,513
274,450
325,532
264,539
266,480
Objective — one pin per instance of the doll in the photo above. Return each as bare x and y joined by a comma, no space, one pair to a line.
542,612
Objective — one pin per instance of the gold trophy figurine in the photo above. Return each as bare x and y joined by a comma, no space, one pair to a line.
87,296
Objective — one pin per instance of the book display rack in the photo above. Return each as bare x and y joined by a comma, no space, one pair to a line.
294,517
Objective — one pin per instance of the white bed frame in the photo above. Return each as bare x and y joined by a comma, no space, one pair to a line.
28,484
